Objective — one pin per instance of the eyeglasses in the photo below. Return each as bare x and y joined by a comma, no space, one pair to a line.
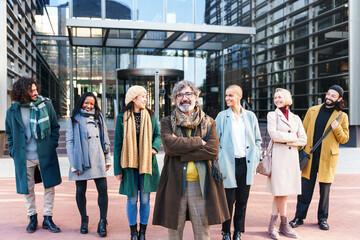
331,95
188,95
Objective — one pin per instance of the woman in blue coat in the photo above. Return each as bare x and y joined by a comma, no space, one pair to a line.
137,140
88,149
239,154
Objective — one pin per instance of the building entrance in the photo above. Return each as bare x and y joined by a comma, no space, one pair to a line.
158,83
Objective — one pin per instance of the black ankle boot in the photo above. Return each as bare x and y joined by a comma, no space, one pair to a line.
102,227
32,224
142,231
84,225
133,232
50,225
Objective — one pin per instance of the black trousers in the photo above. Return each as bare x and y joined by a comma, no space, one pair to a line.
307,187
101,186
239,196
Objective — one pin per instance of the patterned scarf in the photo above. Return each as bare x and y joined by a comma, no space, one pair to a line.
130,156
39,117
179,120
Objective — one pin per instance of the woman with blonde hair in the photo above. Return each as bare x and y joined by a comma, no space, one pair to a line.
287,134
137,140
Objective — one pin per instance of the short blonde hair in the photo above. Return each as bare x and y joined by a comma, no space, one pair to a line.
285,94
236,88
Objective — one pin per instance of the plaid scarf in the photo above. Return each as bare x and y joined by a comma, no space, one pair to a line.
39,117
198,118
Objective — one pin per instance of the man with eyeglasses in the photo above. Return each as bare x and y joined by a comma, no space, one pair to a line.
187,189
323,161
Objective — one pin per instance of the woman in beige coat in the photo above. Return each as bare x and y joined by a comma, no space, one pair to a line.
287,134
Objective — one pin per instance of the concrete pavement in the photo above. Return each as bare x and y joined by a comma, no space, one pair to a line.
343,219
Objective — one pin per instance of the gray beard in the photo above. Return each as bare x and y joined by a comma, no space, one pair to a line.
187,108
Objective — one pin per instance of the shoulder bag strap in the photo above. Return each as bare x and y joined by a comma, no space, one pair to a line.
322,138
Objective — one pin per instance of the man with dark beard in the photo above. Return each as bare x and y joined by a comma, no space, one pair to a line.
186,184
323,161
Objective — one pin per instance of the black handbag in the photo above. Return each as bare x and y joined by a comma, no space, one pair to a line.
304,157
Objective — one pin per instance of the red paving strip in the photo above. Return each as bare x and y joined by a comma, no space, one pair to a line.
343,220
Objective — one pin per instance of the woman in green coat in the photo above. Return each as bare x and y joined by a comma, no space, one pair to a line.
135,163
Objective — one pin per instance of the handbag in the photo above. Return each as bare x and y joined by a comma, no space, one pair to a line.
304,157
264,166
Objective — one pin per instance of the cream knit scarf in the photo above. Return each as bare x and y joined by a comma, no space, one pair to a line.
130,156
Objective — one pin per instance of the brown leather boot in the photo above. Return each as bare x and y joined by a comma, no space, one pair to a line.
286,229
273,232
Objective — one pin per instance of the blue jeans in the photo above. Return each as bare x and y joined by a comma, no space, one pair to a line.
131,206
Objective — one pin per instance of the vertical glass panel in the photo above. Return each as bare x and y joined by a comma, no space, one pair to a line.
87,8
52,21
152,11
199,11
180,11
119,9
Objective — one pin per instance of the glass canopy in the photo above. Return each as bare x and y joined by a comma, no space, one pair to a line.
138,34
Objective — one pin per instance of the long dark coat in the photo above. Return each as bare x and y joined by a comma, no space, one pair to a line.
178,151
49,164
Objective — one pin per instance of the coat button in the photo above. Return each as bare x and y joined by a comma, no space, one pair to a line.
248,161
184,168
247,147
97,136
290,148
289,131
22,148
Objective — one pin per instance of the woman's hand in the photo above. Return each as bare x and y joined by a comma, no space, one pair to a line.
76,172
153,151
107,167
119,177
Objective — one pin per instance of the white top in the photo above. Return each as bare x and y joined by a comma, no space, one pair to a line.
238,136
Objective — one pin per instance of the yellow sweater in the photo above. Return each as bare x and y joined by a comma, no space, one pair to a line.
191,172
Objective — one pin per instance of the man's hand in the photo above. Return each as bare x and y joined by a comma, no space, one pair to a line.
203,142
173,135
119,177
76,172
334,124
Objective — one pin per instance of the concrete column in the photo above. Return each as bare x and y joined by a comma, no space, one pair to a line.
3,65
3,75
354,62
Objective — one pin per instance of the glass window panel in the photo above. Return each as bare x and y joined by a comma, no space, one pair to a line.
278,27
119,9
277,3
179,11
299,32
83,32
152,11
87,8
279,52
298,18
245,9
301,46
299,4
261,11
278,14
200,11
261,46
261,22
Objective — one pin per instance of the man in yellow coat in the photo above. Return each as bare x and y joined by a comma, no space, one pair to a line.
323,161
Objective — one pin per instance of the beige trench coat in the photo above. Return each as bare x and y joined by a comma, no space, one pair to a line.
287,136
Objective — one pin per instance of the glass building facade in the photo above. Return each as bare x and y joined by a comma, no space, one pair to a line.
301,45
